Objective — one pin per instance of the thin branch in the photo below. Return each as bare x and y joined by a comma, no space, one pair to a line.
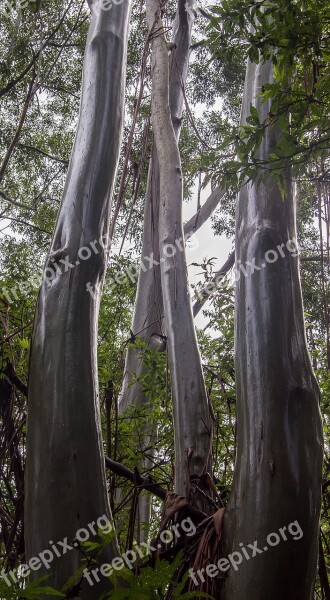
32,148
17,331
197,45
15,81
190,115
19,128
19,78
316,258
59,89
29,225
14,202
72,30
137,105
204,13
211,287
15,380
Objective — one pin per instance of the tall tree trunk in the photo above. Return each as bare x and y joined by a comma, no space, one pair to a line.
65,479
192,420
279,456
148,310
147,325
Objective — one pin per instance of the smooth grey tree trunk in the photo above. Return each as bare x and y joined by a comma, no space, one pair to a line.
279,455
65,478
148,322
192,418
148,309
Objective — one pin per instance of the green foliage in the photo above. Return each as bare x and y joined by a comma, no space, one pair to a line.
32,591
295,37
152,583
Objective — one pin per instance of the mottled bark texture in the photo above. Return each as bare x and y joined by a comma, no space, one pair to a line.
148,323
65,477
279,456
192,420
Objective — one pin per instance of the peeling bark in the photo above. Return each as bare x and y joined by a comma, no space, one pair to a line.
65,476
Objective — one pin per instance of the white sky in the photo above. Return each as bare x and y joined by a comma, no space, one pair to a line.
208,245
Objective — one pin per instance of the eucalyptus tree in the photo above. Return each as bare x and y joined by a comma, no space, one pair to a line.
148,318
64,446
191,410
149,321
279,456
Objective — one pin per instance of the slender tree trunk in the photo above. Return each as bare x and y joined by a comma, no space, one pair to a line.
192,420
65,478
279,456
147,324
148,310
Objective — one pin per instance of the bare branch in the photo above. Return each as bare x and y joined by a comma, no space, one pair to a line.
211,287
14,202
29,225
32,148
147,483
204,212
19,128
21,76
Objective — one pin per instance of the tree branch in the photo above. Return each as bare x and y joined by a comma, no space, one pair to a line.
211,287
15,380
29,225
15,81
147,483
32,148
14,202
203,213
21,76
19,128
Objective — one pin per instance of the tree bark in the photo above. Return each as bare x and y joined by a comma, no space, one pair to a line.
65,476
192,420
148,309
277,477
